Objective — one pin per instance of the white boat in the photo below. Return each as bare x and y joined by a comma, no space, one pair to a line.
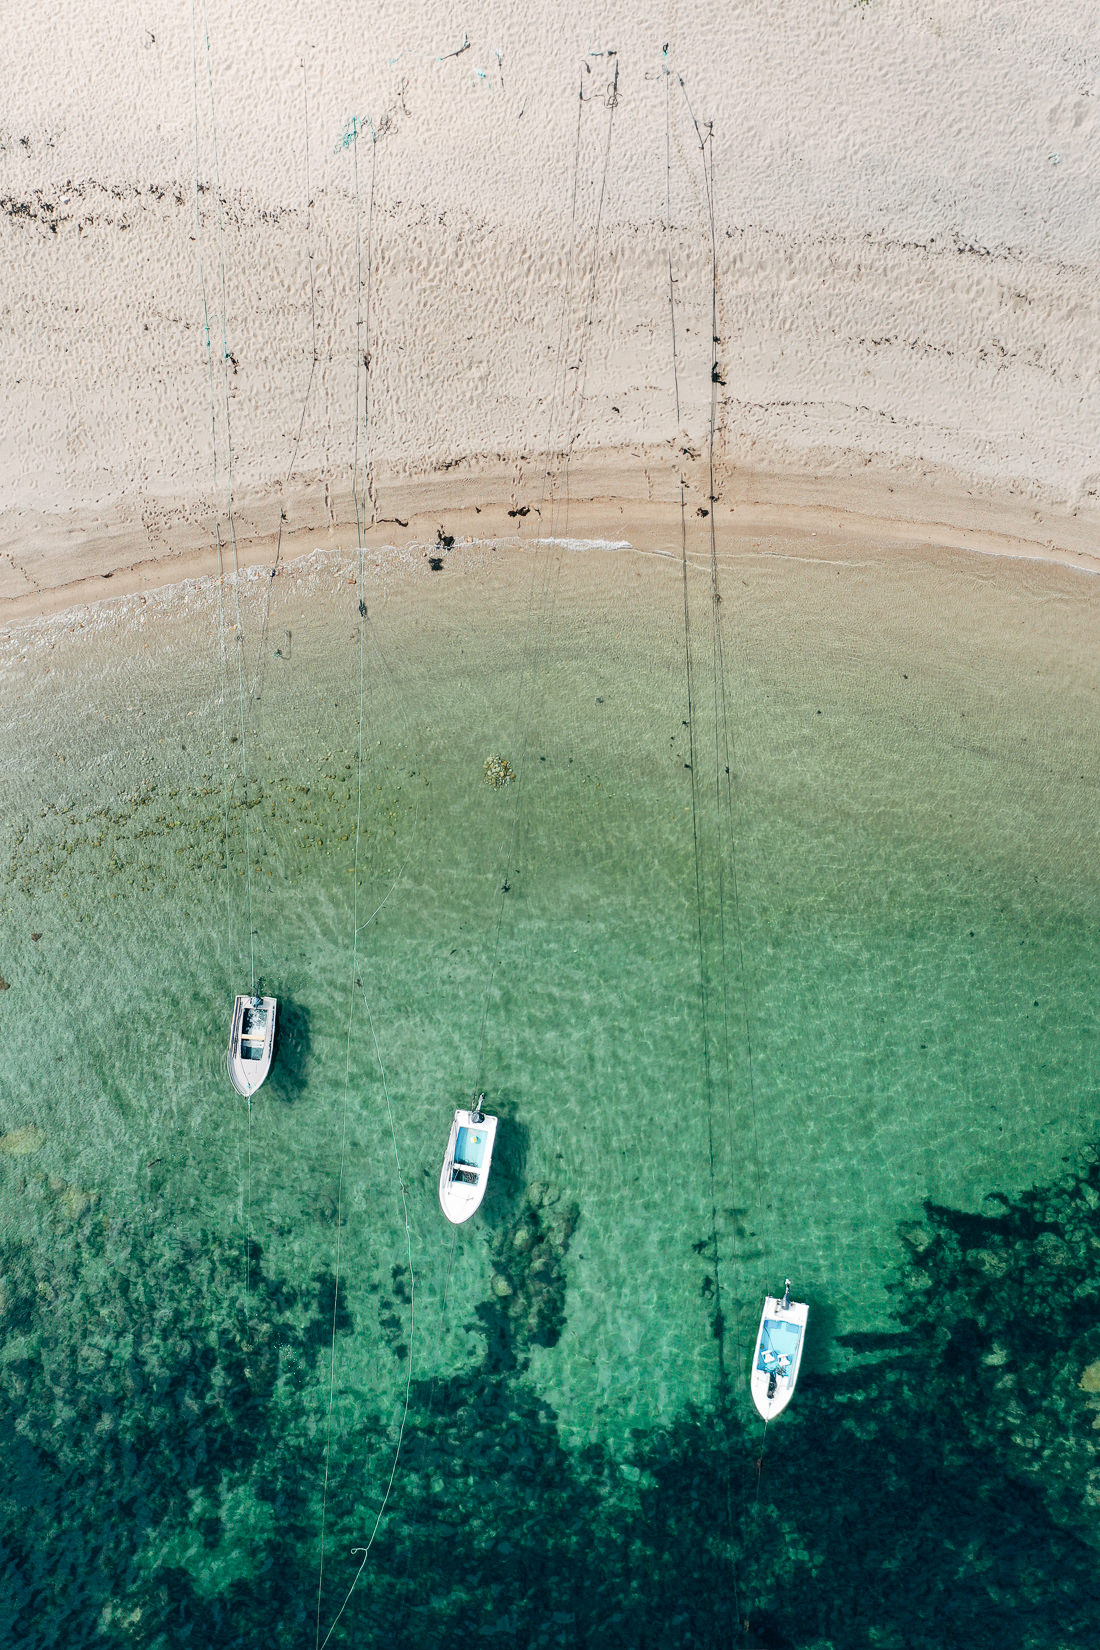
465,1170
251,1043
778,1352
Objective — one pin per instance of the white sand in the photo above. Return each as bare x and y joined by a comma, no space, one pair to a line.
908,218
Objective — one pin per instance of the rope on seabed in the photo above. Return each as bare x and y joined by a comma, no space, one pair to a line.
760,1463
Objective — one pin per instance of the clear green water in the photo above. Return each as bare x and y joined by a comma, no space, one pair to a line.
721,1053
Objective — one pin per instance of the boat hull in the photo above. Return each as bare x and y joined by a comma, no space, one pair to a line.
465,1172
251,1043
781,1336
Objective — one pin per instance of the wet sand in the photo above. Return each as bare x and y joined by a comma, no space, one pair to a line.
613,496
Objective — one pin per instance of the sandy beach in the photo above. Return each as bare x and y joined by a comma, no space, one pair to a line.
446,256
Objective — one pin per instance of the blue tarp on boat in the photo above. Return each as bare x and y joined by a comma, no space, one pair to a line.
470,1147
781,1337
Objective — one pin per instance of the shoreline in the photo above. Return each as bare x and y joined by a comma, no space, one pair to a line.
72,562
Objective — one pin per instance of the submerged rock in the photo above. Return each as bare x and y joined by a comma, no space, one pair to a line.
915,1235
499,771
1009,1307
77,1203
1052,1250
23,1142
528,1288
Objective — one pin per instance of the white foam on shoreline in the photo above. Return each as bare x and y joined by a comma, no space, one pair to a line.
111,611
586,544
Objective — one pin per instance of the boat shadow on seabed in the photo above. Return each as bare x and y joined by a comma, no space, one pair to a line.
293,1050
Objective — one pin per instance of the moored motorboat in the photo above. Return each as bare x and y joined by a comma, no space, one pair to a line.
251,1043
778,1352
465,1171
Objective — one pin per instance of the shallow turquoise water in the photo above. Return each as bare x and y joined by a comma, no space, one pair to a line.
732,1032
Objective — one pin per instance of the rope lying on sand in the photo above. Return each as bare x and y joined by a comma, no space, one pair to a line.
261,646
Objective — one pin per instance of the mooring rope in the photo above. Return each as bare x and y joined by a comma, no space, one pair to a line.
343,1147
535,642
363,1553
354,896
580,382
214,462
247,1190
723,824
759,1463
724,760
717,666
261,646
244,758
693,753
536,637
539,618
226,359
362,323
